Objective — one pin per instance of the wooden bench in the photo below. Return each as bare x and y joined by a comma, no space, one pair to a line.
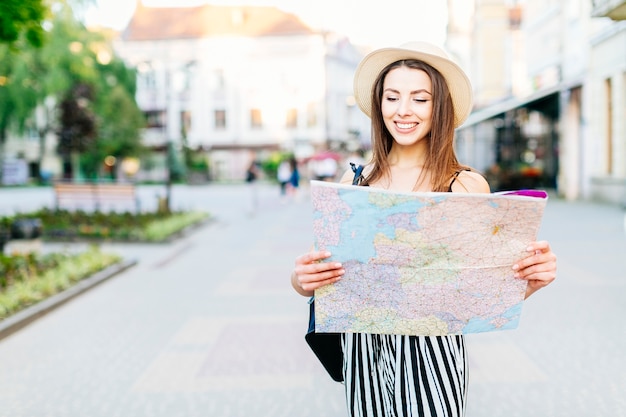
96,196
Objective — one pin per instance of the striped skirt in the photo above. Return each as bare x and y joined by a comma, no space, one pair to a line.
395,375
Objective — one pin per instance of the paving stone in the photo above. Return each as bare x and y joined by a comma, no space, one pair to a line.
209,326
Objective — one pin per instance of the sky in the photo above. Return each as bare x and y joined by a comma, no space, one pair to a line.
374,23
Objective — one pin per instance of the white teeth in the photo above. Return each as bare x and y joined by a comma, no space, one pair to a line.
406,125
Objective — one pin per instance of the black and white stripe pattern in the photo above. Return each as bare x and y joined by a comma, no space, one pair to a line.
396,375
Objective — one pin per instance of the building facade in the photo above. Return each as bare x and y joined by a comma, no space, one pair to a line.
240,82
605,103
557,120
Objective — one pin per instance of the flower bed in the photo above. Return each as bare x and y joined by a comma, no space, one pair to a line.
28,279
143,227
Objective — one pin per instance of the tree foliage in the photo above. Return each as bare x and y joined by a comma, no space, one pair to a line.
79,70
22,18
77,125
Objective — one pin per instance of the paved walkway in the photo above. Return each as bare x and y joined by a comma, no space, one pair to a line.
209,326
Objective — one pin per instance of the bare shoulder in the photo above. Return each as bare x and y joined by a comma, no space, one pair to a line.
470,182
347,177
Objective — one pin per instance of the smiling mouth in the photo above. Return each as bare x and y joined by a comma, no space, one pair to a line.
406,125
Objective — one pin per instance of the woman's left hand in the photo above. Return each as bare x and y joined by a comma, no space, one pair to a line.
539,268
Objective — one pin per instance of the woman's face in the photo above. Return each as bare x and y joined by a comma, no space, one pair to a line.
407,105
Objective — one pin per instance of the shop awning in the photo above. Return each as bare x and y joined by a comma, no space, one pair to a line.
502,107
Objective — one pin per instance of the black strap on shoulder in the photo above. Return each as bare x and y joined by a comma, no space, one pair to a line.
455,176
358,170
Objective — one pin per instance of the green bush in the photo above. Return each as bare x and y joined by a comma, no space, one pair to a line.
161,229
37,277
18,268
152,227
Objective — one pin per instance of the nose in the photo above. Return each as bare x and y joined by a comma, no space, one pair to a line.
404,107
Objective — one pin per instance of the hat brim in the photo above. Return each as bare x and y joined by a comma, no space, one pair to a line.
373,63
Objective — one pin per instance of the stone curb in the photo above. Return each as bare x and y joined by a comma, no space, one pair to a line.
26,316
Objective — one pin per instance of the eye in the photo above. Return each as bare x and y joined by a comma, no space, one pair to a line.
420,100
391,98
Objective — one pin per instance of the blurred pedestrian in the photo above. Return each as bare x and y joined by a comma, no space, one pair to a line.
294,178
252,174
325,169
283,175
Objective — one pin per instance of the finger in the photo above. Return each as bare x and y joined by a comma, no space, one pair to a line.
317,268
320,271
544,271
313,256
537,256
539,246
311,286
539,275
316,280
539,283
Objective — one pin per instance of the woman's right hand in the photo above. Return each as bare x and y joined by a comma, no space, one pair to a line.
311,273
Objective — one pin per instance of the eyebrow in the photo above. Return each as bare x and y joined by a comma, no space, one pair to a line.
421,90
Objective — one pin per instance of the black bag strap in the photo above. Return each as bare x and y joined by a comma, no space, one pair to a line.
358,171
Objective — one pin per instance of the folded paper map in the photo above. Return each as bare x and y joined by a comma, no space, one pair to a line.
422,263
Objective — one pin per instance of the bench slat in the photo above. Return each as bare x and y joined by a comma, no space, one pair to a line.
97,193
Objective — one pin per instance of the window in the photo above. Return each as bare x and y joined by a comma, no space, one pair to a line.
256,120
146,77
155,118
185,122
188,75
292,119
220,119
311,117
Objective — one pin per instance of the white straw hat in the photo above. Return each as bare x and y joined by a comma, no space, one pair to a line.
373,63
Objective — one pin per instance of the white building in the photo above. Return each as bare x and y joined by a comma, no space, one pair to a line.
558,119
238,82
605,105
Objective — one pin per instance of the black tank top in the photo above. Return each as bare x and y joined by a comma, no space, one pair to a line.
358,175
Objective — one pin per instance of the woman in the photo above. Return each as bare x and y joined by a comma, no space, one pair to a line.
415,97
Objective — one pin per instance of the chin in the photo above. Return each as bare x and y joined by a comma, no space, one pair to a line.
408,141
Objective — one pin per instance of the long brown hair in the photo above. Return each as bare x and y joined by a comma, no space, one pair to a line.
441,161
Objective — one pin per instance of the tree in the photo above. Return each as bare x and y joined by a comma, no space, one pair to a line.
18,93
117,118
20,88
70,59
30,74
119,122
77,126
22,18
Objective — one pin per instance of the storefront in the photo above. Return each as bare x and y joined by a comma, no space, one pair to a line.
516,144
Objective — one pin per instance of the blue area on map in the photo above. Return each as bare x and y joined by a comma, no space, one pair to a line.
353,230
512,315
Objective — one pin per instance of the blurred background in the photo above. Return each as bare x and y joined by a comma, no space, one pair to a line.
194,92
220,102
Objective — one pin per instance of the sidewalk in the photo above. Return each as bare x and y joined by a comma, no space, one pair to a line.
209,326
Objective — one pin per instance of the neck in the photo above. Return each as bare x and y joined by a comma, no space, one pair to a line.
406,159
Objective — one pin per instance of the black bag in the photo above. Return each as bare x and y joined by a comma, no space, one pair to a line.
327,346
